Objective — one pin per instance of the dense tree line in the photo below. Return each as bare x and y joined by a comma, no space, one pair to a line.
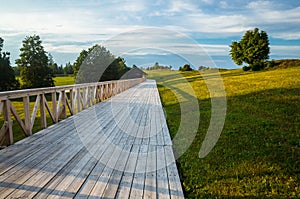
156,66
98,64
185,67
8,79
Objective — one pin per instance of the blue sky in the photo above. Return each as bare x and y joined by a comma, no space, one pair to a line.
68,26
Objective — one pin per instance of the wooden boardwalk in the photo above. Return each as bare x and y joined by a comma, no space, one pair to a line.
119,148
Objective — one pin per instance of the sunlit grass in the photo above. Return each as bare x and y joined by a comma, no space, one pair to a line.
257,155
67,80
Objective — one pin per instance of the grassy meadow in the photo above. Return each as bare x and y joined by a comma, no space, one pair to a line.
258,153
64,80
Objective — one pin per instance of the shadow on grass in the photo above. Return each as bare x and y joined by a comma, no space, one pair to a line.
258,153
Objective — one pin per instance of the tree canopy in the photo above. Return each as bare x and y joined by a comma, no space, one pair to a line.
156,66
186,67
34,64
7,75
253,49
98,64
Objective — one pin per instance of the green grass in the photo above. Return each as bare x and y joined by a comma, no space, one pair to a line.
258,153
67,80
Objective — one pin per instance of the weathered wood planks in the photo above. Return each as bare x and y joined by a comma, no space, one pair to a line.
119,148
71,98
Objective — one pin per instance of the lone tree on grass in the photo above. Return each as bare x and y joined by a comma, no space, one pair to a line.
34,64
186,67
253,49
7,75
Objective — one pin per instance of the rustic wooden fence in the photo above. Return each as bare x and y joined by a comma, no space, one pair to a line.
72,98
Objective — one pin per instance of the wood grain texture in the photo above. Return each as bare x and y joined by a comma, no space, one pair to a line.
119,148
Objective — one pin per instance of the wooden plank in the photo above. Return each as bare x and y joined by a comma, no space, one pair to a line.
54,107
43,111
3,129
127,178
18,118
61,179
35,108
114,181
30,166
6,117
69,106
115,178
162,176
49,110
150,181
34,146
58,107
137,188
104,151
26,105
1,107
36,178
63,114
173,177
102,181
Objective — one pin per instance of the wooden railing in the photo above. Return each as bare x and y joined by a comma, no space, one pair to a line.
74,98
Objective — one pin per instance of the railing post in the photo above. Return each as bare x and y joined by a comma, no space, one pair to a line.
43,111
54,106
26,104
6,115
78,100
97,93
71,101
64,105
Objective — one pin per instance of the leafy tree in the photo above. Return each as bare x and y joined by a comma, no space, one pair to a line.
7,75
203,68
34,64
156,66
83,54
186,67
253,49
17,70
98,64
54,67
68,69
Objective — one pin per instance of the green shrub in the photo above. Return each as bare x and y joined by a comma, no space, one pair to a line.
246,68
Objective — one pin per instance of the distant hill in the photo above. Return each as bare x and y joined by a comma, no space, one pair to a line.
286,63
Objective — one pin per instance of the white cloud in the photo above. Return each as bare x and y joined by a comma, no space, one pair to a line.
258,5
180,6
132,6
208,1
95,21
223,4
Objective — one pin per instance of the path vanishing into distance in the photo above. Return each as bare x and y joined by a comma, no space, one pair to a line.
119,148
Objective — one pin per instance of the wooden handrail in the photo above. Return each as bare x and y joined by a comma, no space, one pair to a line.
74,98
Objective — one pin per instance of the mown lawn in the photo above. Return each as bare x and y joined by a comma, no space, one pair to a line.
258,153
67,80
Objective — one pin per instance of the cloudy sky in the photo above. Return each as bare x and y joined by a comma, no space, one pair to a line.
171,31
